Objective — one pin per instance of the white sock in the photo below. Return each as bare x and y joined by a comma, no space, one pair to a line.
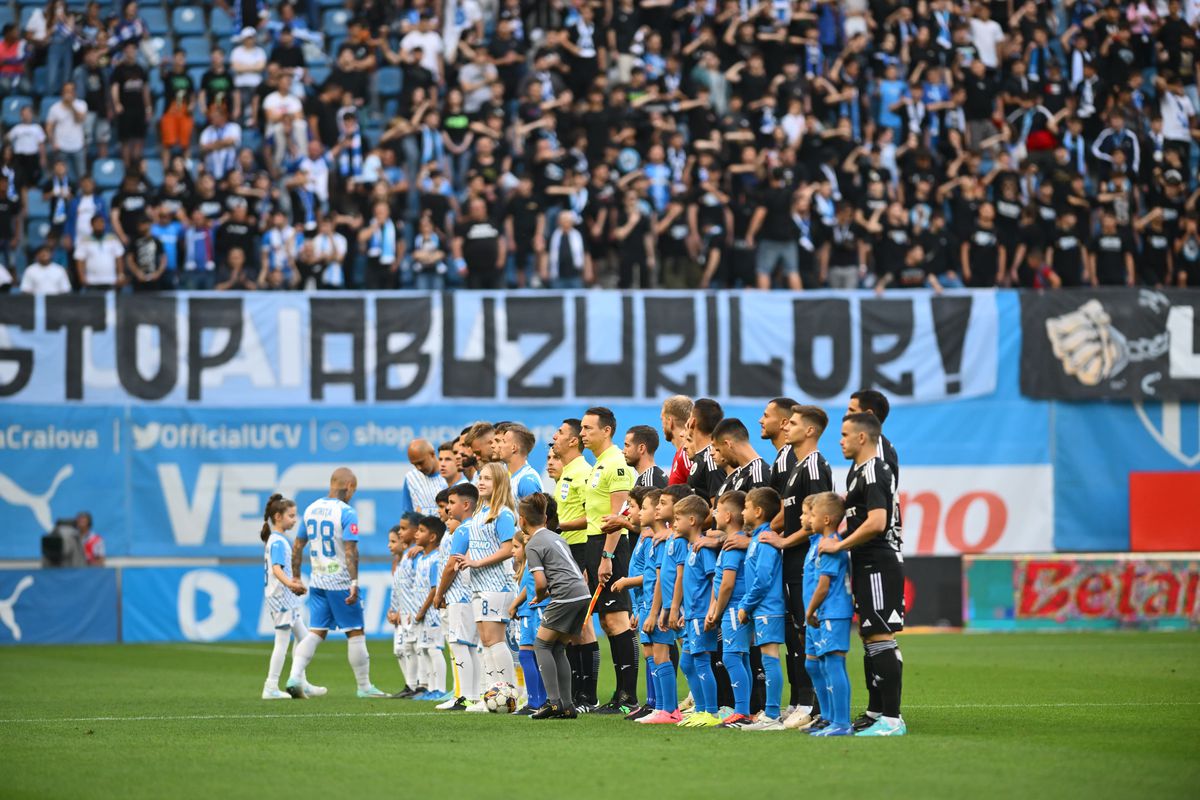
502,663
302,654
283,637
408,665
360,660
467,662
476,655
299,631
436,666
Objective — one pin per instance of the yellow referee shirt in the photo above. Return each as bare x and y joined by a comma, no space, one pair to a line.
569,492
610,474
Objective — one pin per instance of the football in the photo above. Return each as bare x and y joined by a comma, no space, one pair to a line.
501,698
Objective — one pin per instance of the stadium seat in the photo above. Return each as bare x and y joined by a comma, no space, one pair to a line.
223,42
188,21
220,23
108,172
319,74
36,207
389,82
26,13
30,4
36,231
12,106
197,49
334,22
45,106
6,14
40,81
154,172
156,19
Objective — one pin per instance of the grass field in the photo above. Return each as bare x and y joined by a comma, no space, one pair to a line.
1072,715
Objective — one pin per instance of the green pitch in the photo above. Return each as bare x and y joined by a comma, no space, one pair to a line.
1080,715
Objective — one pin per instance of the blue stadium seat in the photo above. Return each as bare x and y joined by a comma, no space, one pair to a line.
45,106
188,21
196,73
156,19
196,48
41,80
319,74
108,172
334,21
36,207
330,3
26,13
6,14
220,23
154,172
389,82
36,231
12,105
30,4
223,42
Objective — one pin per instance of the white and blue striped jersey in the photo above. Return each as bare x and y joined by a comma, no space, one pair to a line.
424,578
460,545
525,482
419,492
486,538
278,550
407,576
327,525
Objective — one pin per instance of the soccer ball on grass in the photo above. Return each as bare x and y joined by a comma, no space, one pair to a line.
501,698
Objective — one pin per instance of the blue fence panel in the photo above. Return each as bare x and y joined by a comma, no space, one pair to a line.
67,606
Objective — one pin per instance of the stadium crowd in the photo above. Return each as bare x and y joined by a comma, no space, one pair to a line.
623,143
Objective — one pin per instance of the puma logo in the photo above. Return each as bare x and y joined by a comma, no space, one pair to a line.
6,607
39,504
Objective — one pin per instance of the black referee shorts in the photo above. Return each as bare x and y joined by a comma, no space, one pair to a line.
878,583
610,602
579,553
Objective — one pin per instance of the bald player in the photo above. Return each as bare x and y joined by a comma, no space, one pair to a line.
420,488
329,528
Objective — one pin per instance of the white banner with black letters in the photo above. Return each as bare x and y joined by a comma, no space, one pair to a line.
260,349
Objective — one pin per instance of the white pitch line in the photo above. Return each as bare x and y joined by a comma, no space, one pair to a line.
334,714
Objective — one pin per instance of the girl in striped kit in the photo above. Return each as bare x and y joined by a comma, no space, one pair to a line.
282,592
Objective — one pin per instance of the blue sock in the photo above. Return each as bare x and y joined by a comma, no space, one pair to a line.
839,685
738,667
668,689
651,695
774,671
687,663
816,671
707,699
533,679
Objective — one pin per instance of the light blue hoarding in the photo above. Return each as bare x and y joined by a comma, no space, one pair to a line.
215,604
64,606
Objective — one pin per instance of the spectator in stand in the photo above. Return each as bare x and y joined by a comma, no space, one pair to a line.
65,125
43,276
132,103
175,126
28,141
98,258
13,57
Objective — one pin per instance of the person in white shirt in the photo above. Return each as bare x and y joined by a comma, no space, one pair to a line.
321,258
64,128
1177,112
429,41
45,277
98,258
248,62
986,35
29,146
219,143
287,130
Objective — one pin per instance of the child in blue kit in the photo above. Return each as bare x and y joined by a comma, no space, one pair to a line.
729,585
830,611
700,644
636,582
667,561
763,606
528,614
